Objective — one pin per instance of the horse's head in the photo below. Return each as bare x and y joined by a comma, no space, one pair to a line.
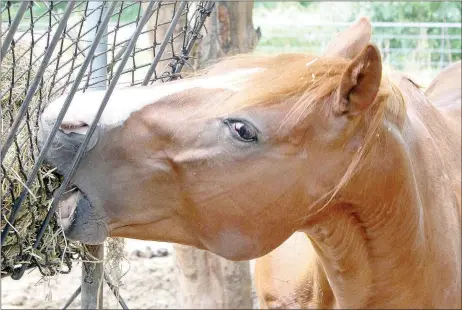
233,161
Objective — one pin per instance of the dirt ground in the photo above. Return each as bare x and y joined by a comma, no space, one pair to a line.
149,283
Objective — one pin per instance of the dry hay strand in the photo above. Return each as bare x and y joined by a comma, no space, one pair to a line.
54,253
114,258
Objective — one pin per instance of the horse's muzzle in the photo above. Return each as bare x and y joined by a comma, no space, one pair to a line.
64,146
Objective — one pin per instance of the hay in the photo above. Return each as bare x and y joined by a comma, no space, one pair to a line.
54,252
114,258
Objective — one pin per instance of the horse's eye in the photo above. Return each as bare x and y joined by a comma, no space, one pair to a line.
242,130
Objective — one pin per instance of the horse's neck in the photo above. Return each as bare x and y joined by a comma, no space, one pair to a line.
433,143
338,239
394,240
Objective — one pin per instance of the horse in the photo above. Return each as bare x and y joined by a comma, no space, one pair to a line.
341,179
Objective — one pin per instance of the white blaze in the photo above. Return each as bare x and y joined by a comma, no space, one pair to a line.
125,101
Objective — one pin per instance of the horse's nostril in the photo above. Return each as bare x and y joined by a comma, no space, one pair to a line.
77,127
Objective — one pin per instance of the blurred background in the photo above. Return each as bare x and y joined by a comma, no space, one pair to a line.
418,38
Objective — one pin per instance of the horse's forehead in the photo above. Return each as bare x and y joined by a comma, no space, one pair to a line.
123,102
191,104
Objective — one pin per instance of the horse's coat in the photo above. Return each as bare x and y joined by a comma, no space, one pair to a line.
362,164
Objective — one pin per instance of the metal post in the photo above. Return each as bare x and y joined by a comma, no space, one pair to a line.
96,74
92,279
93,273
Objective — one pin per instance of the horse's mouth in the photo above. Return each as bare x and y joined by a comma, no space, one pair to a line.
68,206
79,219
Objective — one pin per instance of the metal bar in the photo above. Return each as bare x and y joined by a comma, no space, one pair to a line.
115,291
179,66
99,61
92,128
305,23
50,138
72,298
441,50
415,24
328,34
92,279
161,49
38,77
92,291
14,26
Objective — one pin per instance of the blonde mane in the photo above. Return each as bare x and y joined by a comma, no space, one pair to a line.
288,76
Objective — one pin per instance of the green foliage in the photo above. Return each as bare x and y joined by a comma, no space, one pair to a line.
408,11
265,4
443,12
306,4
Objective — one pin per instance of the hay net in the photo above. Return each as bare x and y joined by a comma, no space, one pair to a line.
31,236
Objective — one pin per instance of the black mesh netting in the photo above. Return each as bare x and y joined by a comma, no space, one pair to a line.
24,208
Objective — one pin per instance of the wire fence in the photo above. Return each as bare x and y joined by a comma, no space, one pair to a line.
51,48
412,47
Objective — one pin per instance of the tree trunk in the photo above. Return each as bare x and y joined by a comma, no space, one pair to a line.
230,31
208,281
205,279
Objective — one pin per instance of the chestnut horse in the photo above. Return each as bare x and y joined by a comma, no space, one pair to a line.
362,166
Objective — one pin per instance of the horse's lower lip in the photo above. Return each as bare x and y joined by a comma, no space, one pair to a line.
79,220
67,207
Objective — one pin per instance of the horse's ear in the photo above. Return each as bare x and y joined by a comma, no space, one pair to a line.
360,82
349,43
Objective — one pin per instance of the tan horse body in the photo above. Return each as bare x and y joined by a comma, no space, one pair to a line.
292,276
363,167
